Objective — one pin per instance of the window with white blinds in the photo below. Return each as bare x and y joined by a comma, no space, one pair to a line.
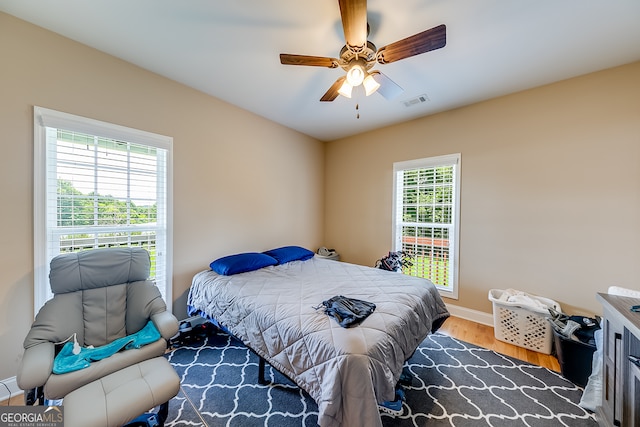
99,185
426,218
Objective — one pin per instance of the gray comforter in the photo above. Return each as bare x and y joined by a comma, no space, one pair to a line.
347,371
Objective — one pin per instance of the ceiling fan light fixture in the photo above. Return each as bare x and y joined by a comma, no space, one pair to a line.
345,89
355,75
358,56
370,85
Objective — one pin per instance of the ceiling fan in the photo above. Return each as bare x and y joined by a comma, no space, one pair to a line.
358,55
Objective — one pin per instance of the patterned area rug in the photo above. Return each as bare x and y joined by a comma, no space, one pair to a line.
454,384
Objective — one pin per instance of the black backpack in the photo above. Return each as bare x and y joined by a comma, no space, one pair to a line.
394,261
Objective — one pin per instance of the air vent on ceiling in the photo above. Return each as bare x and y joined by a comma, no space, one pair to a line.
415,101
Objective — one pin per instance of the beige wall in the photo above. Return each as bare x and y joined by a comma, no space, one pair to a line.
240,182
550,197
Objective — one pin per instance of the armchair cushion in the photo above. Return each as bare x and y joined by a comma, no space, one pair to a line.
143,302
35,367
58,386
99,316
166,323
119,397
98,268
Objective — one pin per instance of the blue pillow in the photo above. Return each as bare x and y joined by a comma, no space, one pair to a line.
290,253
241,263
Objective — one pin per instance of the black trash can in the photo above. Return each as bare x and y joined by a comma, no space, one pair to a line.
575,358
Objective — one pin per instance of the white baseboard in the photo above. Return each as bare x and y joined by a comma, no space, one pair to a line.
469,314
9,388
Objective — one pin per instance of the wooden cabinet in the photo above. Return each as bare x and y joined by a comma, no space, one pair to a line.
621,362
633,414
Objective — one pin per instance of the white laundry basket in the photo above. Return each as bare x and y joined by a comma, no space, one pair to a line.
523,326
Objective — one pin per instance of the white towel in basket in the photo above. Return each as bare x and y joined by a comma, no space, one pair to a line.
522,298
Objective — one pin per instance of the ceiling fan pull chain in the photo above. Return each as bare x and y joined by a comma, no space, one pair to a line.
357,113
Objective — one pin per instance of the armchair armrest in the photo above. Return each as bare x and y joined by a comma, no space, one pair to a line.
166,323
36,365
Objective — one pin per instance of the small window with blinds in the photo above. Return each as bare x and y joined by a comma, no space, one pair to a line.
426,218
99,185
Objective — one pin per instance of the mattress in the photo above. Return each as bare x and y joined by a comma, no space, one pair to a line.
276,311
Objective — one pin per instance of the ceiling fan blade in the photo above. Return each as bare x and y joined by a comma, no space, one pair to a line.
428,40
332,93
313,61
388,88
354,21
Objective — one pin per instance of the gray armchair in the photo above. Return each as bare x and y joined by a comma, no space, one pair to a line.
101,295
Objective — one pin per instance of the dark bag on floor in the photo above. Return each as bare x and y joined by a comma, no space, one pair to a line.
347,311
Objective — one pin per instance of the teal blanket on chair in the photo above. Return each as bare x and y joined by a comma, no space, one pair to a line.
67,361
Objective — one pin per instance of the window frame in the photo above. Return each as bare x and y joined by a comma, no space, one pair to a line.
44,118
396,216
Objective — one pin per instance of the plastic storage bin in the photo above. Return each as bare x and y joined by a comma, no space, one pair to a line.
523,326
575,358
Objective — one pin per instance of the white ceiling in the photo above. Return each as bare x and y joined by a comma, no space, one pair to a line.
229,49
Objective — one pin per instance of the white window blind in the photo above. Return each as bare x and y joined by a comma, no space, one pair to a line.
99,185
426,218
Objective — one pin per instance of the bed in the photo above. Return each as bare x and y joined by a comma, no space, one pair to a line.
275,311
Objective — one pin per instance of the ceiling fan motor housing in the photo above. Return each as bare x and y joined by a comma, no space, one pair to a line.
366,55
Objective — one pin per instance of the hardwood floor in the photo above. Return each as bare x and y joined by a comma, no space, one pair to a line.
14,401
464,330
483,336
